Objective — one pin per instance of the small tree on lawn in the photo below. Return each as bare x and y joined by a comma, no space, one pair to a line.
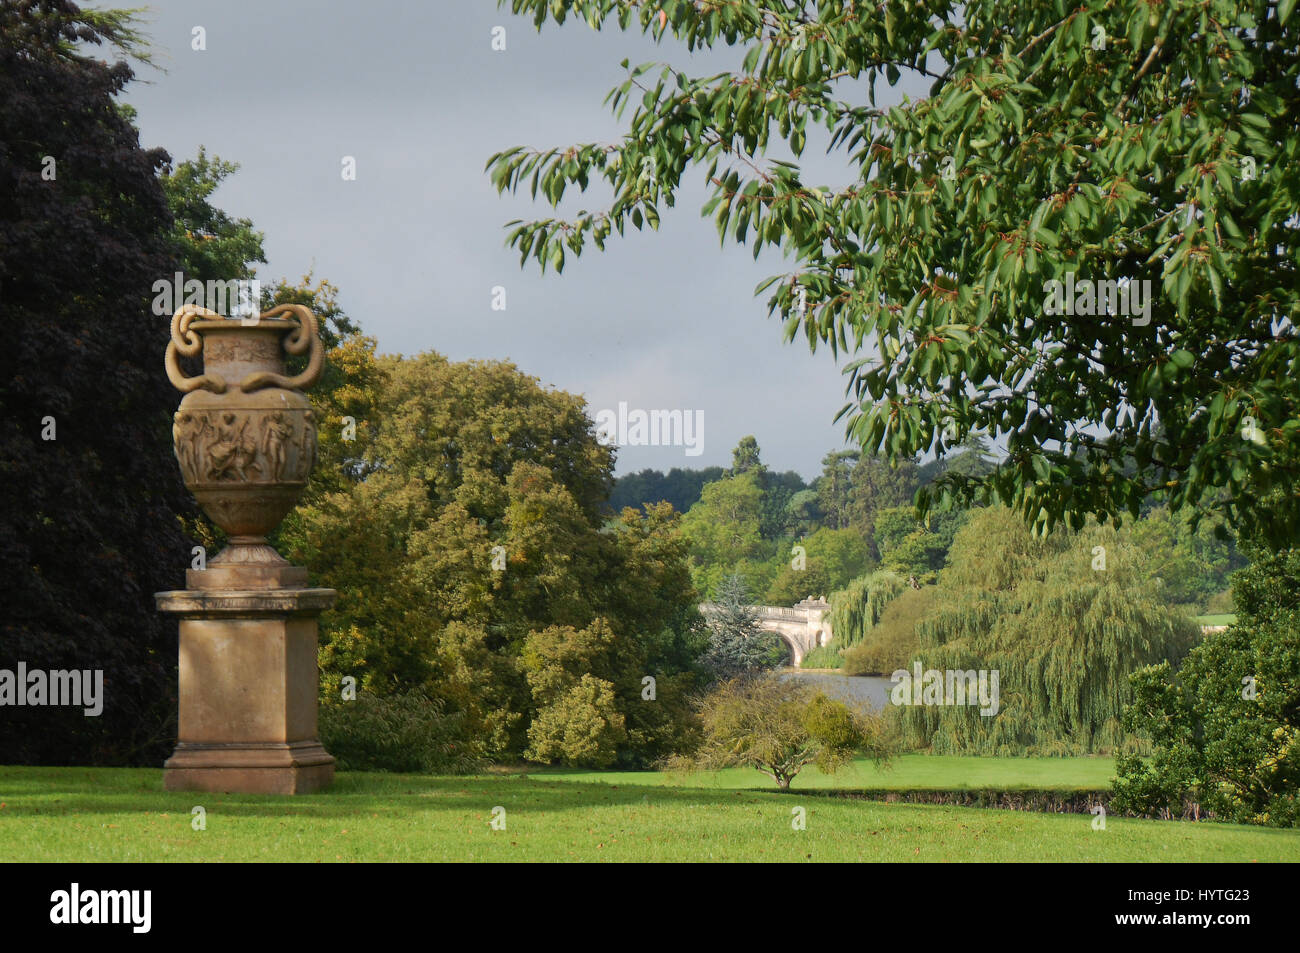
778,725
737,645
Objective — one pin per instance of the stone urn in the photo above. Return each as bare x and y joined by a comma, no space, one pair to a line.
244,433
247,679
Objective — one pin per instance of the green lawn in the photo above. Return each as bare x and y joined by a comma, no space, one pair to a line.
116,814
1223,618
909,771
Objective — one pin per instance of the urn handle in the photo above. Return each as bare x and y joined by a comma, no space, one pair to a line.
190,343
187,342
299,341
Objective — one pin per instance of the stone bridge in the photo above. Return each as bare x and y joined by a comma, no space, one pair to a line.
803,627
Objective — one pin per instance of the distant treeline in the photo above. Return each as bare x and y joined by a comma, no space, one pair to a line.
679,486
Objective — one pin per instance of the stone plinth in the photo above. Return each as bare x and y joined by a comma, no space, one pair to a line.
248,690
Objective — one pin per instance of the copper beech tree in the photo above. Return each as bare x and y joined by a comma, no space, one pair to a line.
88,522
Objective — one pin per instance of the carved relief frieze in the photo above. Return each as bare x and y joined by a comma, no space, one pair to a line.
244,446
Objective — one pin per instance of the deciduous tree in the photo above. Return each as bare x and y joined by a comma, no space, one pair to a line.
1145,148
89,526
1225,728
475,561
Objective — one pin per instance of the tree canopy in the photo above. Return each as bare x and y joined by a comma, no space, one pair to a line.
779,725
1145,149
214,244
679,486
88,522
465,529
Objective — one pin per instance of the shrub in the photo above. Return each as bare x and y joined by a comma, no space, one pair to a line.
406,733
1225,729
824,656
1220,603
589,708
582,727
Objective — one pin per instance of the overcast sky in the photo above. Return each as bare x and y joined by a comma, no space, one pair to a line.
415,92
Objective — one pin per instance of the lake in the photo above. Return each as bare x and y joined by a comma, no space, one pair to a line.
871,690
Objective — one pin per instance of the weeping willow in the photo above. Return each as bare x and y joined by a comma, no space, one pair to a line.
1063,620
856,609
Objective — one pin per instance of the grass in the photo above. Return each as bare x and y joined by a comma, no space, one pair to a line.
906,772
123,814
1222,618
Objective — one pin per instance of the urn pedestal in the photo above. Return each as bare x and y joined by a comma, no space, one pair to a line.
248,689
246,441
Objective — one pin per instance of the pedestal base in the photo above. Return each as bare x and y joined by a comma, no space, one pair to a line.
248,688
298,768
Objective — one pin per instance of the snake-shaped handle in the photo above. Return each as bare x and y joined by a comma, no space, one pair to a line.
300,340
189,343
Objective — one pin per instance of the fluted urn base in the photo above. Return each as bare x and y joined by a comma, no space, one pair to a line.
248,687
247,562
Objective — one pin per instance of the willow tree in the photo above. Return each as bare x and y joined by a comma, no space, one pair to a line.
1147,148
1064,621
893,643
857,608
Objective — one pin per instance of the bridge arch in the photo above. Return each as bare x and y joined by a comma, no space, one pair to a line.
793,655
803,627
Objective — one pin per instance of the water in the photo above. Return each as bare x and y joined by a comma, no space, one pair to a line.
870,690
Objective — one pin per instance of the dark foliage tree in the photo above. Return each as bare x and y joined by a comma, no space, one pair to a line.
972,457
777,488
89,525
835,488
802,513
875,485
746,456
775,518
